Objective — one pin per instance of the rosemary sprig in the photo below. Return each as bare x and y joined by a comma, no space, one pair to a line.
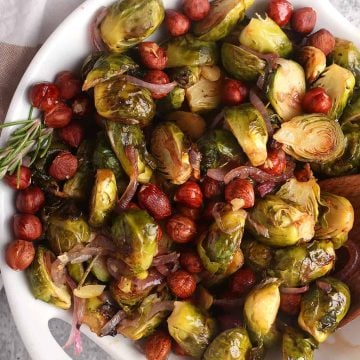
30,136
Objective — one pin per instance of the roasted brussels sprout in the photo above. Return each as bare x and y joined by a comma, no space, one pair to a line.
106,67
41,284
300,264
192,328
339,84
297,346
286,88
99,269
336,220
351,115
172,101
76,271
240,63
217,247
260,311
169,147
123,137
233,344
186,76
323,307
135,232
63,233
219,147
347,55
118,100
203,96
129,22
221,19
140,323
249,128
103,197
189,51
265,36
314,138
276,222
313,60
257,255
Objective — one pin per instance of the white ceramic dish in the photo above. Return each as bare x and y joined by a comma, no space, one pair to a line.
65,49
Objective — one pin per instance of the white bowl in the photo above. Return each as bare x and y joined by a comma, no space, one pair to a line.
65,49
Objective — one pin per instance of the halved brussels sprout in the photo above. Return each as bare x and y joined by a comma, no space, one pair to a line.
103,197
336,220
186,76
190,51
63,233
219,147
76,271
265,36
297,346
301,264
205,95
240,63
218,247
168,146
118,100
257,255
172,101
249,128
42,286
323,308
347,55
260,312
233,344
135,232
129,22
313,137
286,89
313,60
192,328
106,67
304,194
220,20
351,113
99,269
276,222
122,137
339,84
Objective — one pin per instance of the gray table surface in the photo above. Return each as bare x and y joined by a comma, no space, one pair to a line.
11,346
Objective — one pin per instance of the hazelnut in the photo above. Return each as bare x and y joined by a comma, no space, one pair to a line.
290,303
72,134
234,92
19,254
242,190
211,188
241,282
280,11
275,163
69,84
152,55
191,262
44,95
304,20
157,77
58,116
64,166
155,201
196,9
158,346
176,23
189,194
27,227
30,200
323,40
317,100
182,284
193,214
21,181
181,229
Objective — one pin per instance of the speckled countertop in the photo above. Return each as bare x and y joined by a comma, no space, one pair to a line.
11,346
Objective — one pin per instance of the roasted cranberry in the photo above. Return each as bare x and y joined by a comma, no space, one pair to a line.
304,20
152,55
191,262
234,92
44,95
19,254
240,189
280,11
64,166
196,9
176,23
69,84
181,284
275,163
27,227
58,116
211,188
158,346
30,200
72,134
181,229
317,101
157,77
19,181
241,282
189,194
290,303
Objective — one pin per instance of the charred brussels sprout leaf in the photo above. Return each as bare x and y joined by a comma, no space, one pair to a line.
189,51
169,147
123,102
192,328
314,138
301,264
260,312
297,346
240,63
265,36
257,255
221,19
129,22
218,147
122,137
106,67
336,220
135,233
286,88
322,310
249,128
41,284
339,84
103,197
276,222
186,76
233,344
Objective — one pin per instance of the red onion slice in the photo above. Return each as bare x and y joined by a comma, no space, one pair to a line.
352,264
164,259
117,268
156,88
216,174
111,325
215,122
94,28
294,290
270,58
265,188
323,285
